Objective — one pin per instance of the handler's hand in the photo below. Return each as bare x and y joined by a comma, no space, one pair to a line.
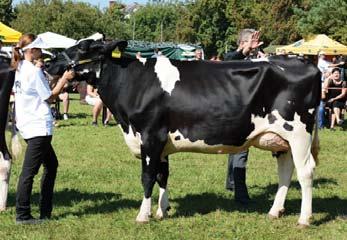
69,74
331,100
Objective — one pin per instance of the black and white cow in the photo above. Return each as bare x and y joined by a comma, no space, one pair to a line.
6,83
165,106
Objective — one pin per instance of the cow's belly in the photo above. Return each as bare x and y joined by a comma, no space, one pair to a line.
267,135
267,141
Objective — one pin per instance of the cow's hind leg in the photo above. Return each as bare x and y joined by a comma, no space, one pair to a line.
150,156
304,164
162,177
285,172
5,171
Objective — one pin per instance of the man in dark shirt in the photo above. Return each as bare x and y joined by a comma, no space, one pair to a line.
248,40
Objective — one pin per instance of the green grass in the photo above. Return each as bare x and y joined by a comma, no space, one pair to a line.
98,192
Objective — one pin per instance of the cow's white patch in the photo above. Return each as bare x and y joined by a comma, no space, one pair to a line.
133,140
285,172
143,60
167,73
311,110
264,59
261,125
5,170
148,159
145,210
178,143
163,203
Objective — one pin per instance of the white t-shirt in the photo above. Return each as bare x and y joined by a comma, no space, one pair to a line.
323,66
33,114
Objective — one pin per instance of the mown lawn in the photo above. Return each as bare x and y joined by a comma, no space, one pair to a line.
98,192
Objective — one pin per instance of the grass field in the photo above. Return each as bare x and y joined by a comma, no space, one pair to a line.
98,192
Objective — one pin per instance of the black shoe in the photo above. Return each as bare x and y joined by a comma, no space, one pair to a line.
94,124
241,192
45,216
30,220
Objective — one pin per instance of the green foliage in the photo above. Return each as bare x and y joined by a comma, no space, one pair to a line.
325,16
209,24
6,11
73,19
155,22
98,192
212,23
114,24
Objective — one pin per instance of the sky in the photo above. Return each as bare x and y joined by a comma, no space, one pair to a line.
101,3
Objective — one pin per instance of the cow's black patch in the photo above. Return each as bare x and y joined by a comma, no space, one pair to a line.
272,118
288,127
178,138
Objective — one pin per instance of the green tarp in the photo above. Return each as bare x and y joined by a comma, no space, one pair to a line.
170,50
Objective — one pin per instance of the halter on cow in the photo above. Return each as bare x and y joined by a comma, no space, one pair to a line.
166,106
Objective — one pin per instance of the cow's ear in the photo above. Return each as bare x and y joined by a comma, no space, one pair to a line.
84,45
113,45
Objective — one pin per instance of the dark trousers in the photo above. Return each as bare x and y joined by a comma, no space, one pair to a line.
39,151
238,160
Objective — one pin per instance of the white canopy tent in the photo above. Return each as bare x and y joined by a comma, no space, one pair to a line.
54,40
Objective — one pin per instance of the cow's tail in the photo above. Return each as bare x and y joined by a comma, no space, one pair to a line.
16,147
315,142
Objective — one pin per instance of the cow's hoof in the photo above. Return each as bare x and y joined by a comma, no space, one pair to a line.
280,214
302,226
142,219
160,215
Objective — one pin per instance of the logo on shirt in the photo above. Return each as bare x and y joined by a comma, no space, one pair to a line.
17,87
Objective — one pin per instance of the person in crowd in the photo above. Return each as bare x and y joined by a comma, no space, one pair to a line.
248,40
157,53
198,54
35,123
92,98
325,68
64,97
334,91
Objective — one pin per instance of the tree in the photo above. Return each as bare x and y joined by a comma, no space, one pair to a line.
155,22
325,16
114,24
6,11
75,20
207,19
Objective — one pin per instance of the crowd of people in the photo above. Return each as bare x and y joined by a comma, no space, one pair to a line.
334,91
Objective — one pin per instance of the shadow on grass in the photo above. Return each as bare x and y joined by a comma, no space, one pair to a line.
102,202
205,203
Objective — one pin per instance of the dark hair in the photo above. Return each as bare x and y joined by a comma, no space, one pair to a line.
335,69
24,40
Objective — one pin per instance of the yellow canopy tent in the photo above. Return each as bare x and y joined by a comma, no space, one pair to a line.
9,35
313,45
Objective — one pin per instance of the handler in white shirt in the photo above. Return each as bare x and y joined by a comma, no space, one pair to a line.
35,123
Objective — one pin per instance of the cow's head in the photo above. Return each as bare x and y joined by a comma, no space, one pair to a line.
85,58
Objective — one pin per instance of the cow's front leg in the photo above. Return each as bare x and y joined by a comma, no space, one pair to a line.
150,156
285,172
5,171
162,177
